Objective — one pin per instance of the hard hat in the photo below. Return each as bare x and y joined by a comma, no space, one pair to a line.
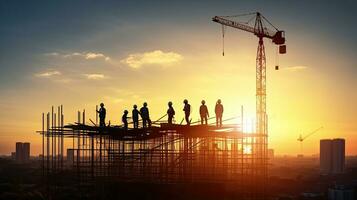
170,103
203,101
219,101
145,104
135,106
101,104
185,101
126,111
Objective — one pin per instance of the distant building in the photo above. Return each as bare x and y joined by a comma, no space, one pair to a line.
18,153
338,156
26,151
341,192
271,153
22,154
325,156
332,156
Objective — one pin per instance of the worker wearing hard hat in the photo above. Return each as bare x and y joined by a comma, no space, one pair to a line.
124,119
219,113
102,113
170,113
204,112
135,115
144,111
187,110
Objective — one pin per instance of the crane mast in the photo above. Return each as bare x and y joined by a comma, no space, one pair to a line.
261,31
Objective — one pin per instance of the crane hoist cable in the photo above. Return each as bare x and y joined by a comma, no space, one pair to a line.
223,32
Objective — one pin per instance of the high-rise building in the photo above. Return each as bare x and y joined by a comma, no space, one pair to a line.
26,151
338,156
19,151
325,156
332,156
22,152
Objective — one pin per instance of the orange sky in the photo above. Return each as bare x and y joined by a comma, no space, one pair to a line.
299,97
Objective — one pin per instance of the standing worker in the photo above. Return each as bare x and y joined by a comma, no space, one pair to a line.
170,113
135,116
144,111
187,110
102,113
219,112
124,119
204,112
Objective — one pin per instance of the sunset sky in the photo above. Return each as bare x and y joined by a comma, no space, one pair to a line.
82,53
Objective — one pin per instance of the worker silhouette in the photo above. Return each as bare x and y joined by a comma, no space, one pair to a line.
187,110
124,119
204,112
144,111
219,113
135,115
170,113
102,113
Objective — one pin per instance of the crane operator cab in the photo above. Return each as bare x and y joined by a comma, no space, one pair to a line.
279,39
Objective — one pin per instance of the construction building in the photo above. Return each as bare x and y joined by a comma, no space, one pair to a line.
169,154
332,156
22,154
161,154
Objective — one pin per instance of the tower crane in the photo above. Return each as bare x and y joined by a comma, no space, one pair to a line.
301,138
260,30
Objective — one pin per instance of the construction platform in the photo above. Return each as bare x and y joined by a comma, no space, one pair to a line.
161,154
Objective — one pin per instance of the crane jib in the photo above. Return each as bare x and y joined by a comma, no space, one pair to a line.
277,37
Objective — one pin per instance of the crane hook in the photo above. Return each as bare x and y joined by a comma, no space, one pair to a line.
277,58
223,32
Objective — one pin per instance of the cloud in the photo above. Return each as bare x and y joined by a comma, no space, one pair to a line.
95,76
92,55
156,57
295,68
52,54
85,55
48,74
64,80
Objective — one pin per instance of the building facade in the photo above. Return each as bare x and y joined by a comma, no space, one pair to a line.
22,154
332,156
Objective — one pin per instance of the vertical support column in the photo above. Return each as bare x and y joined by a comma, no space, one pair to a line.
59,138
54,145
48,153
43,145
261,87
78,144
260,144
52,139
62,136
48,142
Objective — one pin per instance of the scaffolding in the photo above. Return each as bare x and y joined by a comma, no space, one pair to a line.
163,153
